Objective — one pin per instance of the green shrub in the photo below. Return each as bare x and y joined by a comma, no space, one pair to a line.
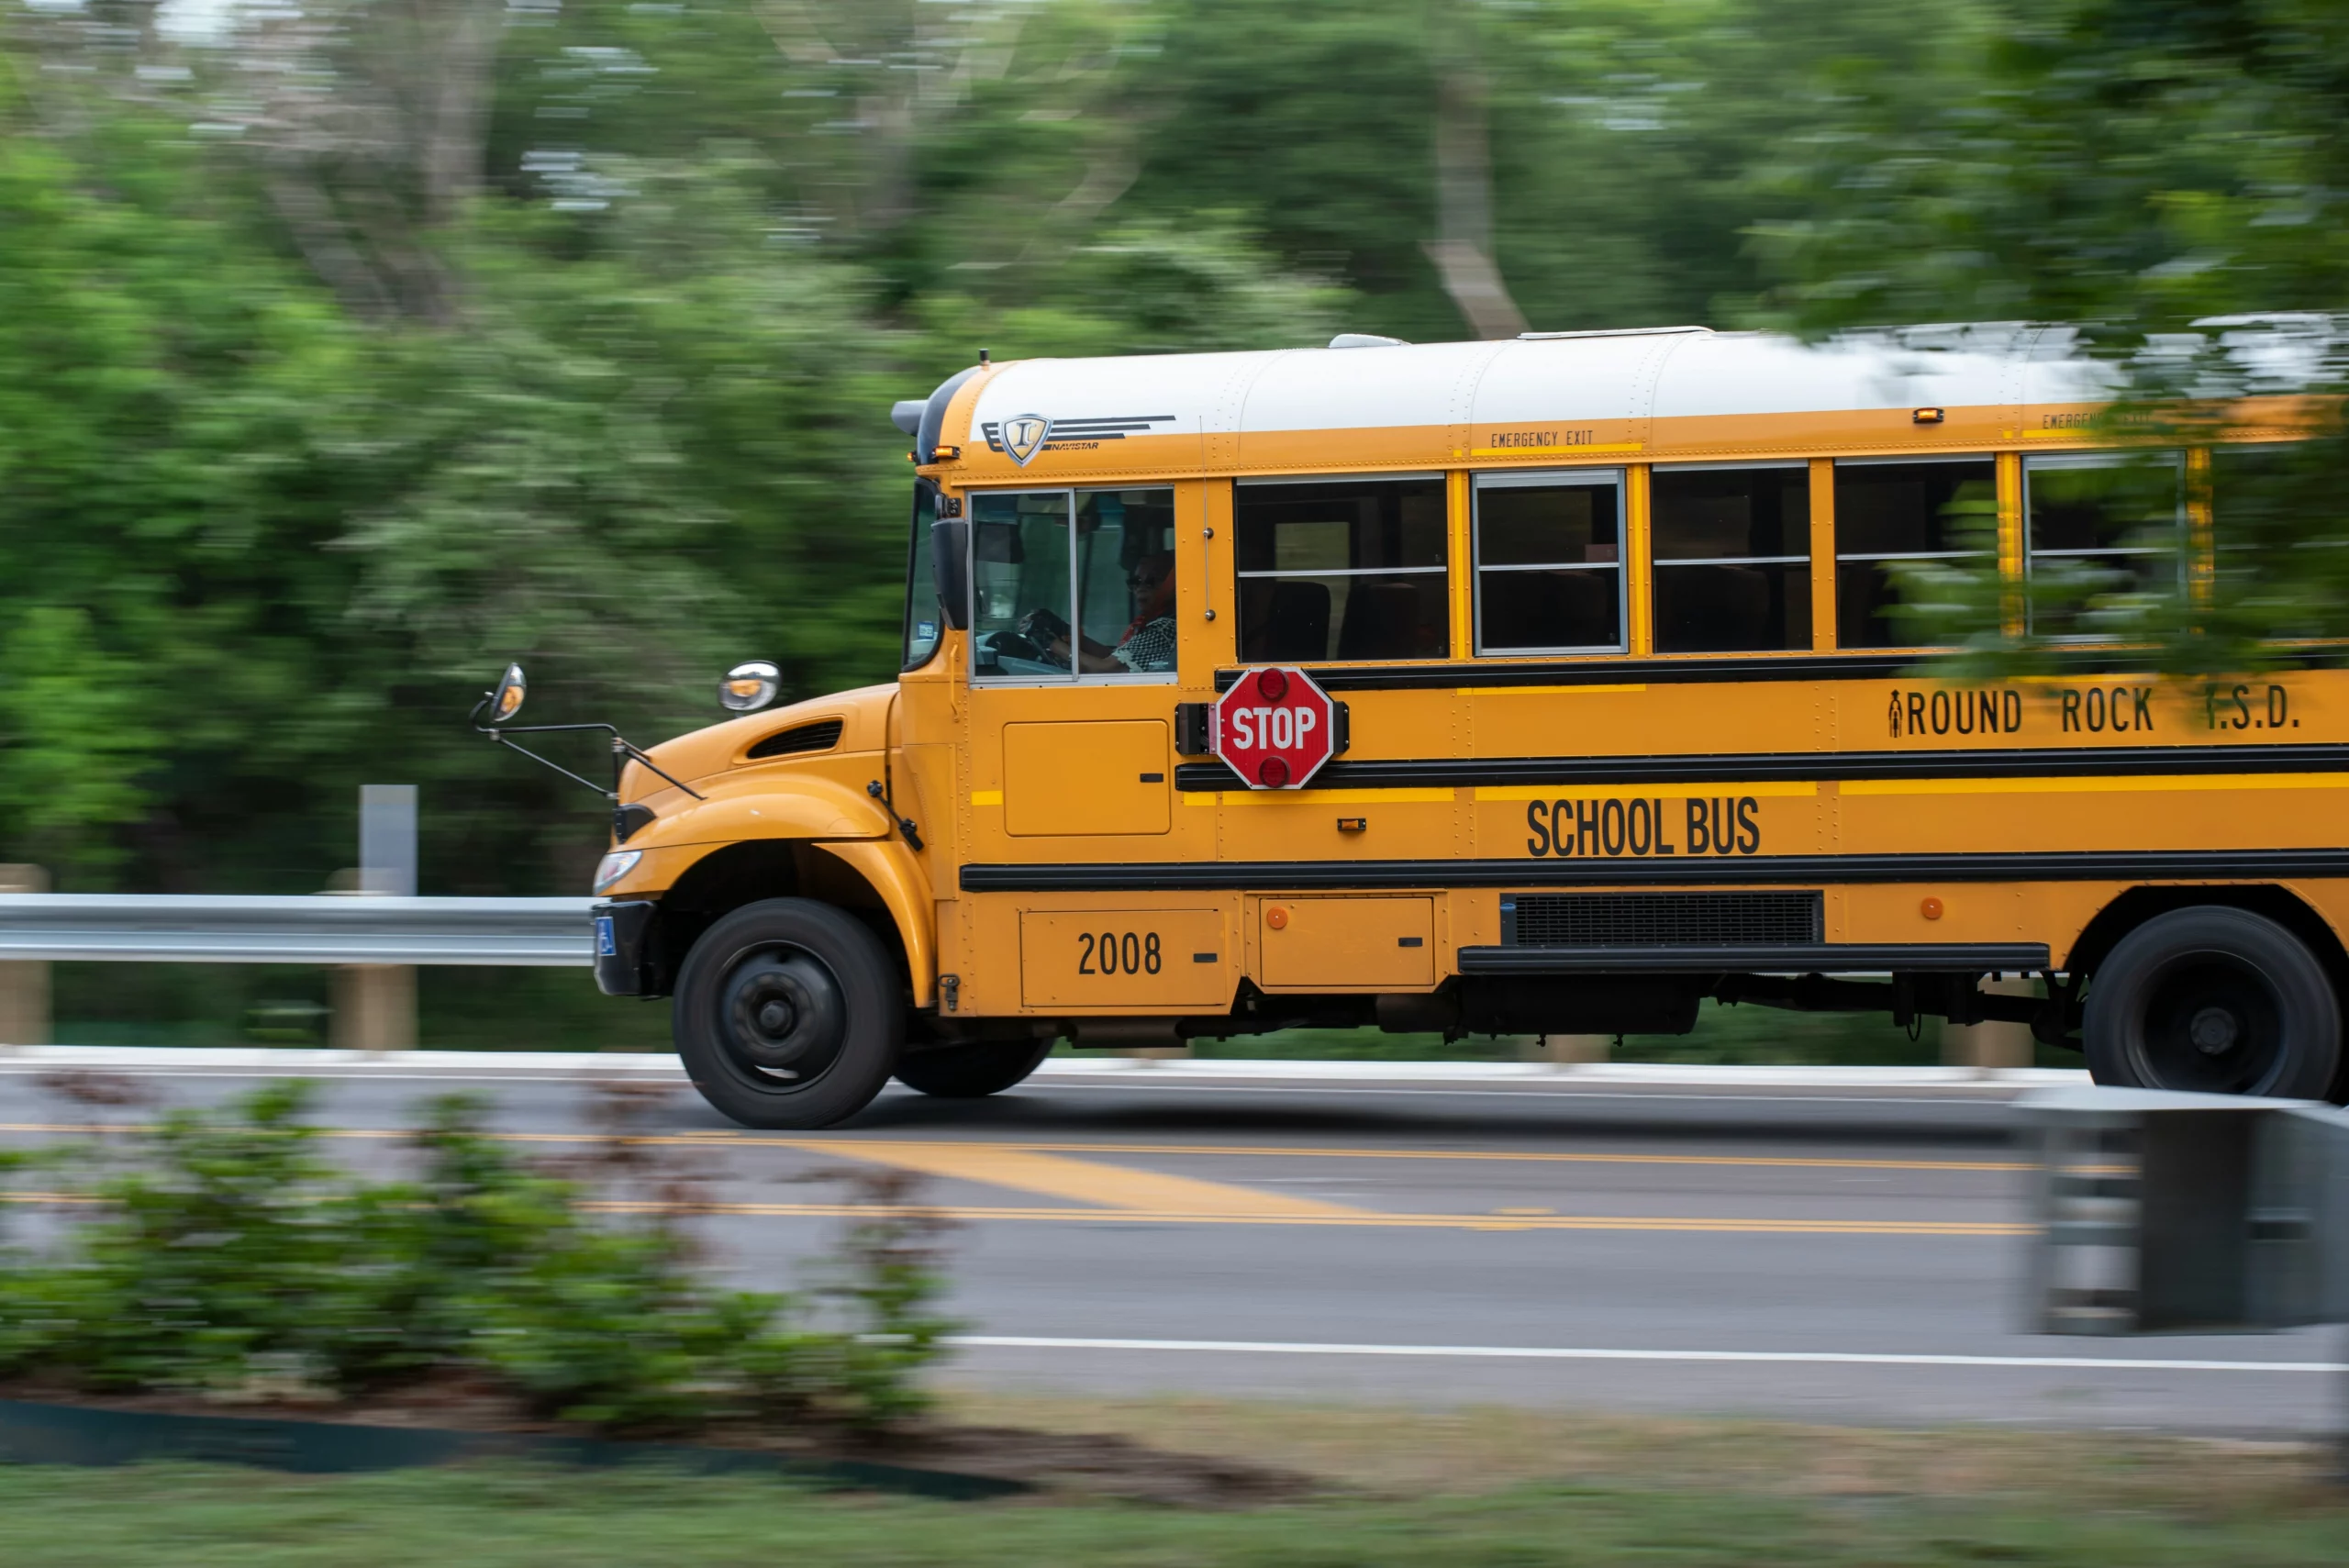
219,1254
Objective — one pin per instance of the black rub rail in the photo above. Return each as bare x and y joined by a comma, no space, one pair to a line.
1678,670
1809,957
2034,763
1678,870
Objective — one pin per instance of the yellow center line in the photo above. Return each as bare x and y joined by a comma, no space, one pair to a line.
1241,1151
1344,1219
992,1164
1359,1219
1082,1181
1513,1156
846,1145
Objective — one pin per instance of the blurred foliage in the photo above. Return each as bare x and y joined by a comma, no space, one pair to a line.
220,1255
348,352
2169,177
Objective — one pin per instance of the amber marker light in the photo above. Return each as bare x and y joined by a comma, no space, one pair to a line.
1927,416
1930,908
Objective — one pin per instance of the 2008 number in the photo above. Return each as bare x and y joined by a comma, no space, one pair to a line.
1114,953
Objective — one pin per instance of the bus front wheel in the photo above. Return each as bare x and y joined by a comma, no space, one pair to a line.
788,1013
972,1072
2214,1000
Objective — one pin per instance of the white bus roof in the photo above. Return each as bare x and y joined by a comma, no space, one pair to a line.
1580,377
1657,393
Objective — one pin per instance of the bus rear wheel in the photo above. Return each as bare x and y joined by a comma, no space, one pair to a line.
2213,1000
788,1013
972,1072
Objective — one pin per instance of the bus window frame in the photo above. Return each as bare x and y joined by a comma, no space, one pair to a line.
917,554
1835,557
1075,677
1533,479
2181,551
1437,475
2204,522
1650,561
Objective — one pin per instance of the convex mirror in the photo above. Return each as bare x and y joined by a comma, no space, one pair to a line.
507,701
750,687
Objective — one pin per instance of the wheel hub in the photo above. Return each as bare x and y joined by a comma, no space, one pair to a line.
783,1015
2211,1024
2214,1030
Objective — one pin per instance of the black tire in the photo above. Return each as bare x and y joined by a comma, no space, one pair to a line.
2215,1000
788,1013
972,1072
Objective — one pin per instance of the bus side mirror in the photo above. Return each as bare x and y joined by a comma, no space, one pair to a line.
507,701
749,687
950,565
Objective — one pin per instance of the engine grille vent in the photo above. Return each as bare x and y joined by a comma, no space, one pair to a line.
1663,919
820,736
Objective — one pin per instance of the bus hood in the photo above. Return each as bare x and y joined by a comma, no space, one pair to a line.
803,729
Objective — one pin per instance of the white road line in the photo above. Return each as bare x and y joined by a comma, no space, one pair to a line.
1584,1354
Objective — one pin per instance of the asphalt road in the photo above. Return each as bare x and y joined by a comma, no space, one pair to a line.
1849,1251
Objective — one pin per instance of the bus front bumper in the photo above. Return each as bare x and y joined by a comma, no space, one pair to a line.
622,931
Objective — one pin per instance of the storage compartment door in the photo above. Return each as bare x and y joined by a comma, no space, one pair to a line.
1347,944
1063,780
1170,960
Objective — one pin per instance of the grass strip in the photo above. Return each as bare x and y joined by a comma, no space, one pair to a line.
1426,1489
512,1517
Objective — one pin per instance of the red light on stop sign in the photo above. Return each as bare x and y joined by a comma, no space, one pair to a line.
1274,727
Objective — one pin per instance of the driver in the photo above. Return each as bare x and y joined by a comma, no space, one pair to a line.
1148,644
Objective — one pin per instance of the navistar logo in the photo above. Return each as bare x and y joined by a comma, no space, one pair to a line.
1024,436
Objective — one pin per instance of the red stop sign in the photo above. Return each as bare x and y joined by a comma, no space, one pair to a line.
1274,727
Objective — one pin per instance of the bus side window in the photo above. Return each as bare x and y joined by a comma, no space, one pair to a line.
1731,558
1550,562
924,618
1341,569
1894,510
2257,495
2098,525
1020,584
1125,581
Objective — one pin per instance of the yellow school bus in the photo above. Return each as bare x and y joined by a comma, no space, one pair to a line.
1630,722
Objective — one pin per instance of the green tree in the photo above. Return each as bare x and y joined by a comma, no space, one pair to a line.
2161,175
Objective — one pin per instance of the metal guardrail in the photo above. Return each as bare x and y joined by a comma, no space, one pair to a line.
317,929
2169,1213
2174,1213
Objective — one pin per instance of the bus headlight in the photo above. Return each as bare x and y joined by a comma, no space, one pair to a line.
614,866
